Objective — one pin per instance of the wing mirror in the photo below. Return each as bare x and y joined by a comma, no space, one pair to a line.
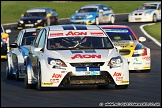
48,15
8,31
13,45
22,15
142,39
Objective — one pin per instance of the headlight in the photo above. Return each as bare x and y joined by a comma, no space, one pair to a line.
38,21
140,51
21,21
115,61
56,63
89,16
72,16
131,14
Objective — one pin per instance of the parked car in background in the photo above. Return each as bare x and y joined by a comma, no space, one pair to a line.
67,55
93,14
148,12
130,47
38,17
5,37
15,63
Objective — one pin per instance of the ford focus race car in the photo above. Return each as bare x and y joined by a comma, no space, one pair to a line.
93,14
148,12
38,17
130,47
15,63
66,55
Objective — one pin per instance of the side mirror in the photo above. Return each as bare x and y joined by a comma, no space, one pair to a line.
22,15
8,31
48,15
38,49
142,39
13,45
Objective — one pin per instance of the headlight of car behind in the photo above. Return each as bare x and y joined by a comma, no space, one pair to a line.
56,63
89,16
38,21
21,21
115,62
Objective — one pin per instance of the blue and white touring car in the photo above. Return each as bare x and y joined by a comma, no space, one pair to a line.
15,63
93,14
66,55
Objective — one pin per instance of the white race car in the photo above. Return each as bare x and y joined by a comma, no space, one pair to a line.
148,12
65,55
19,48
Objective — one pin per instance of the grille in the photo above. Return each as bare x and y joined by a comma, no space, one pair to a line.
87,64
124,52
138,14
79,18
30,21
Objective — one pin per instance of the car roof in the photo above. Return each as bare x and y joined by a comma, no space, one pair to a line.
39,8
73,27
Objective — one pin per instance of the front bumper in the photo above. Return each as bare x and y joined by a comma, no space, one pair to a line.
141,18
87,22
23,26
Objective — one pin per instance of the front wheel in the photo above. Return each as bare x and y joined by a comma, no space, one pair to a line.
39,80
154,19
97,21
112,20
8,76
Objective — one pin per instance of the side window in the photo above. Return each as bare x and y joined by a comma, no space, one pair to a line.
42,39
18,40
105,8
37,38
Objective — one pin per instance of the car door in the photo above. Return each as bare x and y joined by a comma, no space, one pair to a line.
32,54
106,14
16,51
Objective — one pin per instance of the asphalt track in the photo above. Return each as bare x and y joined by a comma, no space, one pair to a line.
144,88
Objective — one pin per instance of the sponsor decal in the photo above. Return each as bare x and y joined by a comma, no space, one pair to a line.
54,80
97,33
47,83
137,62
119,78
86,56
146,58
57,75
56,34
117,74
76,33
124,81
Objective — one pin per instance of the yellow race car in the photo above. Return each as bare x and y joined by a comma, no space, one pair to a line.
4,39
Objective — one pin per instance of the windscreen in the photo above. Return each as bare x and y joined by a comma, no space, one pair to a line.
28,38
79,42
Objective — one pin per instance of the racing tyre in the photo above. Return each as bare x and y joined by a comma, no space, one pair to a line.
39,80
121,86
7,74
17,74
112,20
27,86
154,19
97,21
